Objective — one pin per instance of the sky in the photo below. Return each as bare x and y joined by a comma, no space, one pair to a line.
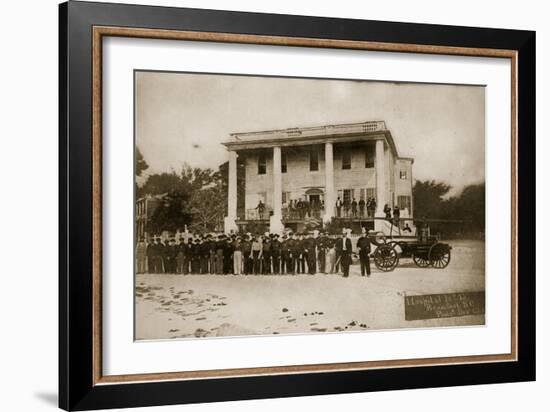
183,118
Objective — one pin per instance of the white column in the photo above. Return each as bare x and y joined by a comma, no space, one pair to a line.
277,182
275,221
380,178
229,222
329,182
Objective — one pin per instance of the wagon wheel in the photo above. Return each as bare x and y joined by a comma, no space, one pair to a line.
386,258
378,238
440,255
421,261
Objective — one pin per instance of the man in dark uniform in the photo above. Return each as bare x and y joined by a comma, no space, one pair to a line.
151,256
228,255
285,255
266,254
219,254
181,257
344,245
300,249
309,253
276,253
163,256
295,254
195,256
246,247
171,253
204,255
211,254
363,244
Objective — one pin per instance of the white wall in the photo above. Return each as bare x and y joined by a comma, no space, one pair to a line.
28,169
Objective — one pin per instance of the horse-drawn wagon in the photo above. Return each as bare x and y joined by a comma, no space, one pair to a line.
425,251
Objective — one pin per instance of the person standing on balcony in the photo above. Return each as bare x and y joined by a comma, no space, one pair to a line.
346,207
300,208
354,208
339,207
261,209
387,211
361,207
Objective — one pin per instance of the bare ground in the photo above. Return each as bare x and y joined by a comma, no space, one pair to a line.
171,306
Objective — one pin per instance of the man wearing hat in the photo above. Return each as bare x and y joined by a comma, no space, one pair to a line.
363,244
171,253
141,256
321,245
246,249
266,254
196,256
228,255
181,257
211,253
219,254
344,246
285,255
309,253
204,254
276,253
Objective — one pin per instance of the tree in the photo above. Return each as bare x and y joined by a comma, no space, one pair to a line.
428,198
206,208
141,164
158,184
171,215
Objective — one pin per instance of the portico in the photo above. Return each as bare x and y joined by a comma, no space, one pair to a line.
347,162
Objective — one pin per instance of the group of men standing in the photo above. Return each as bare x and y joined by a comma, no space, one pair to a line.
292,253
352,208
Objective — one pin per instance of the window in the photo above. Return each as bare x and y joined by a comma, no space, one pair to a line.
369,156
313,160
286,197
348,195
283,162
403,175
371,192
262,164
404,202
346,160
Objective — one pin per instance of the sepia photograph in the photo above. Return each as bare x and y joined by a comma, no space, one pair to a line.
270,205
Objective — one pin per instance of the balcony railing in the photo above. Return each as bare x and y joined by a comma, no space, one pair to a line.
308,213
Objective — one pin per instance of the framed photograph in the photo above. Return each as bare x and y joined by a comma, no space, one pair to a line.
256,205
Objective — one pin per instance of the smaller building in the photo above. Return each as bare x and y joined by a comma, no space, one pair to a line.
145,207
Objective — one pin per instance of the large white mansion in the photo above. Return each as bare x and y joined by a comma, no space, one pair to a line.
355,161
